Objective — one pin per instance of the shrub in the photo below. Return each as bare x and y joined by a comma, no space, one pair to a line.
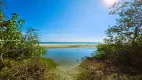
123,44
23,70
20,54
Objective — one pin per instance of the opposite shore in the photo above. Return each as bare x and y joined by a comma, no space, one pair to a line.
68,45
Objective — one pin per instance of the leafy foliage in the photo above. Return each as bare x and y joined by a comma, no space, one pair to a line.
129,26
14,44
20,53
29,69
123,44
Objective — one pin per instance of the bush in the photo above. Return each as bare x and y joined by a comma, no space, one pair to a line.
123,54
123,44
20,53
23,70
105,51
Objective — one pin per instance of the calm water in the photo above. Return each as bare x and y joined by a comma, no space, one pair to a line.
68,56
69,42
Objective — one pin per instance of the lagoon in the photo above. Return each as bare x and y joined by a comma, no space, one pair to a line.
68,56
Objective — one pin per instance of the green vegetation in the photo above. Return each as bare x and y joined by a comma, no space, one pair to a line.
48,62
20,54
118,58
124,42
123,46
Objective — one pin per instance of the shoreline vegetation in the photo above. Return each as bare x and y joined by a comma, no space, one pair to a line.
95,69
21,58
68,45
118,58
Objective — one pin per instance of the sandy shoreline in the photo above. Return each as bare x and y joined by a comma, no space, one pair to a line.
67,45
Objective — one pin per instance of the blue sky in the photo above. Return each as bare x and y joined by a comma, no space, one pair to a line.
64,20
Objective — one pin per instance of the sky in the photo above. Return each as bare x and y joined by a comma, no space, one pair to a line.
64,20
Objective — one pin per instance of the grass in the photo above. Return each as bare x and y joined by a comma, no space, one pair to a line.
28,69
93,69
48,62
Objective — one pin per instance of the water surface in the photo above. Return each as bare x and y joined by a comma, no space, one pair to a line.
68,56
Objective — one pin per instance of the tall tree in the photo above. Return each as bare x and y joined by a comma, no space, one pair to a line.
14,44
129,24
